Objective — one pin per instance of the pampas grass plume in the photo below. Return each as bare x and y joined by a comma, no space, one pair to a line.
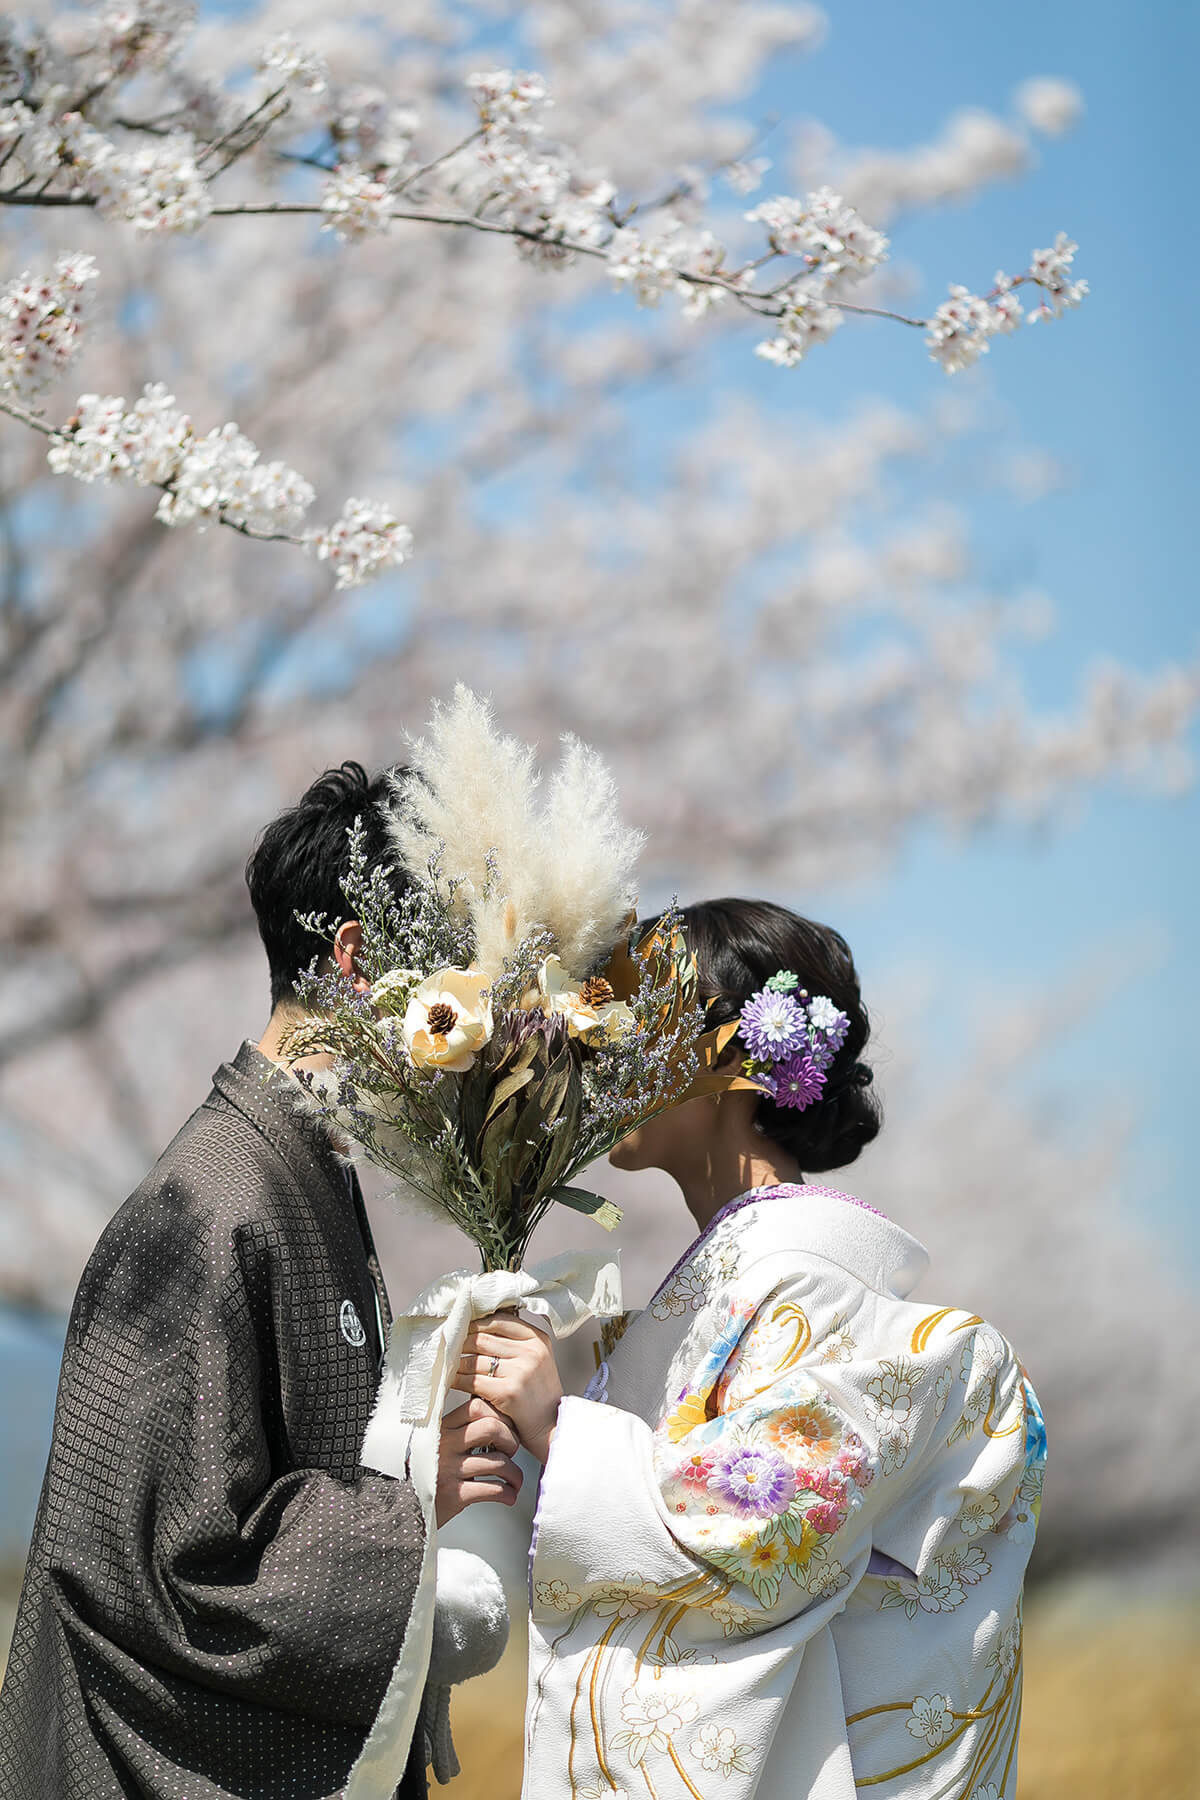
566,865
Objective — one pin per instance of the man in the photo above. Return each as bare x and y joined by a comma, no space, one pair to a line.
217,1590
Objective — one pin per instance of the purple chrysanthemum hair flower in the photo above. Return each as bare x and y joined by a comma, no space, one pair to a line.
797,1082
773,1026
754,1481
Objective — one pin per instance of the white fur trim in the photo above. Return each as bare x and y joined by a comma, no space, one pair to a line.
470,1625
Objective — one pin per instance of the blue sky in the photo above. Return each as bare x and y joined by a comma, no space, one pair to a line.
1111,392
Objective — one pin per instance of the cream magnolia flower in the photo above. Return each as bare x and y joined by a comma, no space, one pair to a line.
590,1008
449,1019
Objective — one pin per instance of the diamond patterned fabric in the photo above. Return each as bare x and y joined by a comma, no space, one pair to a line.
216,1590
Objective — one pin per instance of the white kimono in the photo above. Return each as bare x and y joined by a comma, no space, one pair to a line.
779,1547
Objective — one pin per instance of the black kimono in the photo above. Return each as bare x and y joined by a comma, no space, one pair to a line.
216,1591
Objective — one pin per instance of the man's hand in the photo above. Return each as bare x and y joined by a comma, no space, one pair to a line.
475,1460
511,1365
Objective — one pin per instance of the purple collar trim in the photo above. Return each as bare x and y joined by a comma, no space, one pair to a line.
784,1190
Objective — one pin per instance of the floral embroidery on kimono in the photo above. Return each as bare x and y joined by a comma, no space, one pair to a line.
798,1501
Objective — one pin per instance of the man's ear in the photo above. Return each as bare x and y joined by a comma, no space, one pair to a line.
346,946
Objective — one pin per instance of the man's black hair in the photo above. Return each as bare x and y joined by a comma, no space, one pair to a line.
301,859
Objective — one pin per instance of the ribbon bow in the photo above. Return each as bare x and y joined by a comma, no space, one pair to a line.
424,1347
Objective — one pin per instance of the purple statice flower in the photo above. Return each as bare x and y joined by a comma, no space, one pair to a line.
754,1481
797,1082
772,1026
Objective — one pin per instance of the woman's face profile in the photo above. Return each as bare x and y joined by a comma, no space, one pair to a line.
666,1141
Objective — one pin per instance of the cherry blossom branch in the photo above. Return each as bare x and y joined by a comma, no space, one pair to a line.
553,214
216,479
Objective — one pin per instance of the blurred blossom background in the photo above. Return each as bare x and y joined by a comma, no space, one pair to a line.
910,653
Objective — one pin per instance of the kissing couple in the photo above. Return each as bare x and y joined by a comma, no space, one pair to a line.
780,1541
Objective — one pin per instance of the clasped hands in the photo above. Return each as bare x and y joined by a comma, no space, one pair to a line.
508,1369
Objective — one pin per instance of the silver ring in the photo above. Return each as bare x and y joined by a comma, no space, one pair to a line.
494,1367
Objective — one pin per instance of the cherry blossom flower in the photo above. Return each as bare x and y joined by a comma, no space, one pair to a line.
716,1748
731,1616
966,1562
366,540
978,1515
287,59
939,1590
156,188
556,1594
930,1719
807,319
356,203
1051,270
40,321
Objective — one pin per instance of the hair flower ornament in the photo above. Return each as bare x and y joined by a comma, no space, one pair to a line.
792,1038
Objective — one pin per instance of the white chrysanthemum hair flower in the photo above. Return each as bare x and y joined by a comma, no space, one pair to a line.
565,866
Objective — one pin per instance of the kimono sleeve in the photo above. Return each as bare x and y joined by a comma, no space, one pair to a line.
219,1561
974,1498
757,1484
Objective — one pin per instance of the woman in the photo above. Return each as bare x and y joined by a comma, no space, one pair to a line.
780,1544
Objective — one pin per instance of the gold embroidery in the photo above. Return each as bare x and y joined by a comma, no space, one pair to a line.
682,1773
1006,1715
995,1431
920,1336
595,1653
929,1324
802,1339
997,1713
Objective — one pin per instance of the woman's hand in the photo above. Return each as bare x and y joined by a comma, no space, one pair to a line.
511,1365
475,1460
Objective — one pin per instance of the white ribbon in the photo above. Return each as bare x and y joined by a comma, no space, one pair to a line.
423,1353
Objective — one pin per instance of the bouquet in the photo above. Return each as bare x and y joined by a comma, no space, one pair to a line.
511,1035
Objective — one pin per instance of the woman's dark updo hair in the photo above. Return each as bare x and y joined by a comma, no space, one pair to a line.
738,946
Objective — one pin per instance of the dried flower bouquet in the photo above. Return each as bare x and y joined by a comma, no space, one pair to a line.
511,1035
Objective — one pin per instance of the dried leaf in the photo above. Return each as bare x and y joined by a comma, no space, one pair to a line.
594,1205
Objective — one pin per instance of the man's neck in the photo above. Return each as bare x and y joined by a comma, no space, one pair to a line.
270,1045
